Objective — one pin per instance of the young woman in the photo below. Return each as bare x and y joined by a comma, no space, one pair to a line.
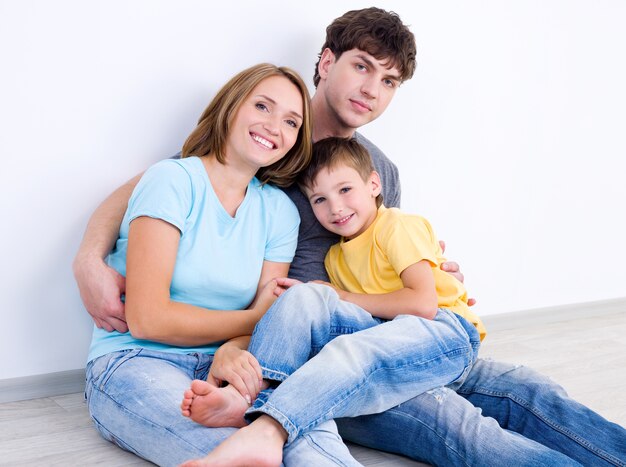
199,245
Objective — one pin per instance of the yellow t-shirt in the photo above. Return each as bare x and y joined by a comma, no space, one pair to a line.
372,262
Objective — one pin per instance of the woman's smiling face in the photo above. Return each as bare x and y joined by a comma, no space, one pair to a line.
266,125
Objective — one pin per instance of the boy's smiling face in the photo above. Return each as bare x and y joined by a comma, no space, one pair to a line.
342,201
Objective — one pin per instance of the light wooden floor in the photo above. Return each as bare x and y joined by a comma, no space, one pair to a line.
587,356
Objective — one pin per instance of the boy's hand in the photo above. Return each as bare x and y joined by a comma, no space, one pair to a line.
454,270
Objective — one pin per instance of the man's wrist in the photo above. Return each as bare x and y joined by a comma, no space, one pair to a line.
85,261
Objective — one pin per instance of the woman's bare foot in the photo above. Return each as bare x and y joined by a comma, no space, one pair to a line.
214,407
259,444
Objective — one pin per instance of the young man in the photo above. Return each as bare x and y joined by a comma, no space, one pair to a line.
356,78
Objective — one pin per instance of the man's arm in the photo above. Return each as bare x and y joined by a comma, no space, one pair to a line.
100,286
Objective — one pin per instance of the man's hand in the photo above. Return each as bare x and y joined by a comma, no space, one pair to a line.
454,270
101,288
237,367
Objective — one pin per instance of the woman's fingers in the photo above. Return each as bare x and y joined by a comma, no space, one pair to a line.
244,374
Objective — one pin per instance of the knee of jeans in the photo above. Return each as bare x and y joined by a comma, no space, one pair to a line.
534,384
508,378
440,394
312,301
315,291
446,329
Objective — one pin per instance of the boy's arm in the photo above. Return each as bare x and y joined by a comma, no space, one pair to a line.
101,286
418,296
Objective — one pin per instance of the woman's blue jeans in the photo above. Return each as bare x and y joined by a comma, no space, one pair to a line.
134,399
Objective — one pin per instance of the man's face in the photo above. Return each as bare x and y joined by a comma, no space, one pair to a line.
357,87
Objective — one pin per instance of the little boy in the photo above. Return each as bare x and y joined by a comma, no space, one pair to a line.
387,262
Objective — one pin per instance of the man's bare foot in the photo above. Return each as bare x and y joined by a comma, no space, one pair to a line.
214,407
259,444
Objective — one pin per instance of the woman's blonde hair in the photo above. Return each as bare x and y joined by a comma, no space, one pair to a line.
213,127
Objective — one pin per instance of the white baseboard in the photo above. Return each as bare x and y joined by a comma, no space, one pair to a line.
553,314
72,381
46,385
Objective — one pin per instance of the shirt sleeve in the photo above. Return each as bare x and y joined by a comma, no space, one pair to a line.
283,236
394,194
408,240
164,192
329,261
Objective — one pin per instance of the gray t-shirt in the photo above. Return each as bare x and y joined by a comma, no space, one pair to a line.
313,239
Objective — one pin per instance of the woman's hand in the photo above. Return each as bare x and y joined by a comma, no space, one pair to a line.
239,368
272,290
265,297
283,283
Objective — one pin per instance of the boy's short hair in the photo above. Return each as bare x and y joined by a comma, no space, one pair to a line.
378,32
334,151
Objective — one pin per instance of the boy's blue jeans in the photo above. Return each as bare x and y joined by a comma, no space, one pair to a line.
350,363
493,414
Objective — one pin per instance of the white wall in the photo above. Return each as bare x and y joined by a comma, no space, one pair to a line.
510,138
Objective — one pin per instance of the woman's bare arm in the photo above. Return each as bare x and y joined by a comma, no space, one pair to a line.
150,312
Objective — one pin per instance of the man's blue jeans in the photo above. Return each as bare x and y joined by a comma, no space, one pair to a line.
501,415
134,399
349,363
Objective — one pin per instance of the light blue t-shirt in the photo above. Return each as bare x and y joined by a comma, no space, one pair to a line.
220,257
